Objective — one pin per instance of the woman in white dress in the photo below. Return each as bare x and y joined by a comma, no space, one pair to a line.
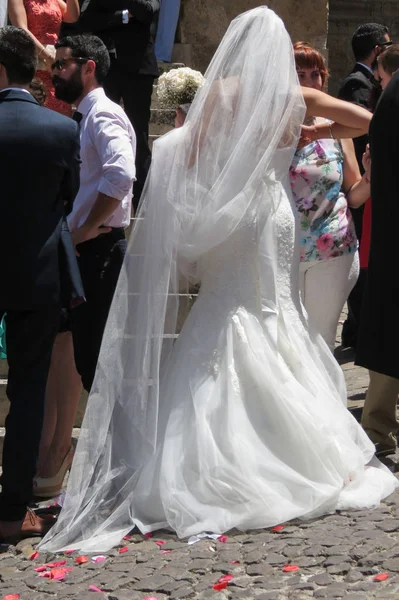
240,422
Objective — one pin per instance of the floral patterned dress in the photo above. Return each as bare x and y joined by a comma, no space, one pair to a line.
44,21
316,174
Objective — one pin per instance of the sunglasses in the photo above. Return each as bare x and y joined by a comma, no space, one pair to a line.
61,63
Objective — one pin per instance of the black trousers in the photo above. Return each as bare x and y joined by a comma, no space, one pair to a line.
30,337
100,262
135,90
355,299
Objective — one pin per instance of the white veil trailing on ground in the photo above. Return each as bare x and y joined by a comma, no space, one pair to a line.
207,180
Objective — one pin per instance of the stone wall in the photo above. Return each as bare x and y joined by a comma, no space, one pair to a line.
345,17
204,22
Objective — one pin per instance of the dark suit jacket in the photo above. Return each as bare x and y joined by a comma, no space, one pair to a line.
357,88
379,333
39,162
133,43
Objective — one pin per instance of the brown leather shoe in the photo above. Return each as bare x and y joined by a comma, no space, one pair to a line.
31,526
36,526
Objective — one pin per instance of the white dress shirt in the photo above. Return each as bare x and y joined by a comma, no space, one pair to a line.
107,151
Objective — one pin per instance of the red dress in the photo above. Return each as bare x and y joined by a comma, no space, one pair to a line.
44,21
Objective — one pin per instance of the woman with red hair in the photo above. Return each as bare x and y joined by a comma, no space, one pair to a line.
325,180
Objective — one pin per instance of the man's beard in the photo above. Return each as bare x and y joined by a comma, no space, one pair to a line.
68,90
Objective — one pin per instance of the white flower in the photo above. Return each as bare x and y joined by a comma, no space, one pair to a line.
178,86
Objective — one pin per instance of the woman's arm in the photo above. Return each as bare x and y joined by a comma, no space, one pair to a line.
70,10
350,120
356,187
18,18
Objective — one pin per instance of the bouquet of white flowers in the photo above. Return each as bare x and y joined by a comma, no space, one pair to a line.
178,87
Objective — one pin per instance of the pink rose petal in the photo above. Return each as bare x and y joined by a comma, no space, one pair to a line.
278,528
11,597
123,550
166,551
98,559
234,562
41,569
160,542
54,565
34,555
127,537
94,588
69,551
223,539
148,535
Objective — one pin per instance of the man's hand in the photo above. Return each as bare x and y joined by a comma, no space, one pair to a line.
83,234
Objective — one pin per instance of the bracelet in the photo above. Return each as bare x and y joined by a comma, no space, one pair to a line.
331,131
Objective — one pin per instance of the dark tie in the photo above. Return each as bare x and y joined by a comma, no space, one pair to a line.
77,116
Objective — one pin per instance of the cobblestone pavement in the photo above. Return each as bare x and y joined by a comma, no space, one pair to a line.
337,556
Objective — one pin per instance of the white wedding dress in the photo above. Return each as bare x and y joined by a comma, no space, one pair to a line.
242,421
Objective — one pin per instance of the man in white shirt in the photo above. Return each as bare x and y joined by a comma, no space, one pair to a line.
102,207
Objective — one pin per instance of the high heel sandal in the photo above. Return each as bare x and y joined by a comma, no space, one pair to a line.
48,487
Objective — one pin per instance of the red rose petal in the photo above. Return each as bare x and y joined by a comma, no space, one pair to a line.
34,555
220,586
69,551
290,568
11,597
58,574
94,588
41,569
166,551
54,565
148,535
234,562
381,577
223,539
123,550
278,528
127,537
46,574
80,560
160,542
226,578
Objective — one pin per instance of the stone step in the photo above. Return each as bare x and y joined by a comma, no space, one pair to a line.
183,54
157,129
162,116
164,67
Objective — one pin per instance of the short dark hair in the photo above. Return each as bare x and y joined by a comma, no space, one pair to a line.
17,55
389,60
366,37
90,47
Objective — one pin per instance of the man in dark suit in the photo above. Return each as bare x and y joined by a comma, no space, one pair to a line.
377,348
127,27
368,42
39,159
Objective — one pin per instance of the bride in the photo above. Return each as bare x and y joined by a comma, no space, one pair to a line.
240,422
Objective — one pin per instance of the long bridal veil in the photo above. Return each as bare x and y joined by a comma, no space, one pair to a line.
208,179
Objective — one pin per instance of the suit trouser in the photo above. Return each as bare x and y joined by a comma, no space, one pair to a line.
30,337
379,412
100,262
135,90
355,299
